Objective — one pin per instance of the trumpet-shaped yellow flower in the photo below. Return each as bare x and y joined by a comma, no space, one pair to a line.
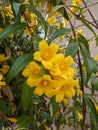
4,69
32,72
66,89
51,20
2,83
63,67
45,85
3,58
46,54
76,2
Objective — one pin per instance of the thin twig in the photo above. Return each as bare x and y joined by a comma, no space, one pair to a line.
4,117
90,13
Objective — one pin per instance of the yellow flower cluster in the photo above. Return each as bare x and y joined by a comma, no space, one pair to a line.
51,73
3,69
6,12
75,3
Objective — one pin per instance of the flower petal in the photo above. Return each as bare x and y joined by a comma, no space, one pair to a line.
49,93
47,65
37,56
32,82
38,91
59,97
43,44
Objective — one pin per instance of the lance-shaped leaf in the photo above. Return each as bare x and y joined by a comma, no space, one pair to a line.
91,107
55,106
26,96
58,33
18,66
82,39
91,29
72,49
16,10
12,28
91,64
24,122
54,10
40,17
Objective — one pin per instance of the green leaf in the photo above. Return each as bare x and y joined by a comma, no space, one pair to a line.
45,115
58,33
96,87
83,40
4,108
55,106
18,66
35,41
17,12
76,115
54,10
24,122
90,28
72,49
92,122
12,28
92,108
91,64
41,18
26,96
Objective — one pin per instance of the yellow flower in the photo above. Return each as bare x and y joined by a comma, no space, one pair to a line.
79,31
66,101
2,83
96,57
13,120
46,54
45,86
51,20
3,58
63,67
84,69
80,117
76,2
9,11
32,72
5,69
1,29
66,89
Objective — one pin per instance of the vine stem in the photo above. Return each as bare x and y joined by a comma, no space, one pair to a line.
79,17
90,13
4,117
81,75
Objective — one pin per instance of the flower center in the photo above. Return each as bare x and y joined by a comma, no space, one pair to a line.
45,83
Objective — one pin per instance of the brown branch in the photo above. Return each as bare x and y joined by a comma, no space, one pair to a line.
81,75
90,13
5,118
79,17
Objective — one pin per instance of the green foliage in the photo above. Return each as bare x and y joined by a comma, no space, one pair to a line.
55,106
70,50
57,33
18,66
56,8
20,36
24,122
10,29
26,96
91,64
91,106
40,17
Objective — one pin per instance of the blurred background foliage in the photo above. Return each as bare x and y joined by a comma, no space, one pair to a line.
23,25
